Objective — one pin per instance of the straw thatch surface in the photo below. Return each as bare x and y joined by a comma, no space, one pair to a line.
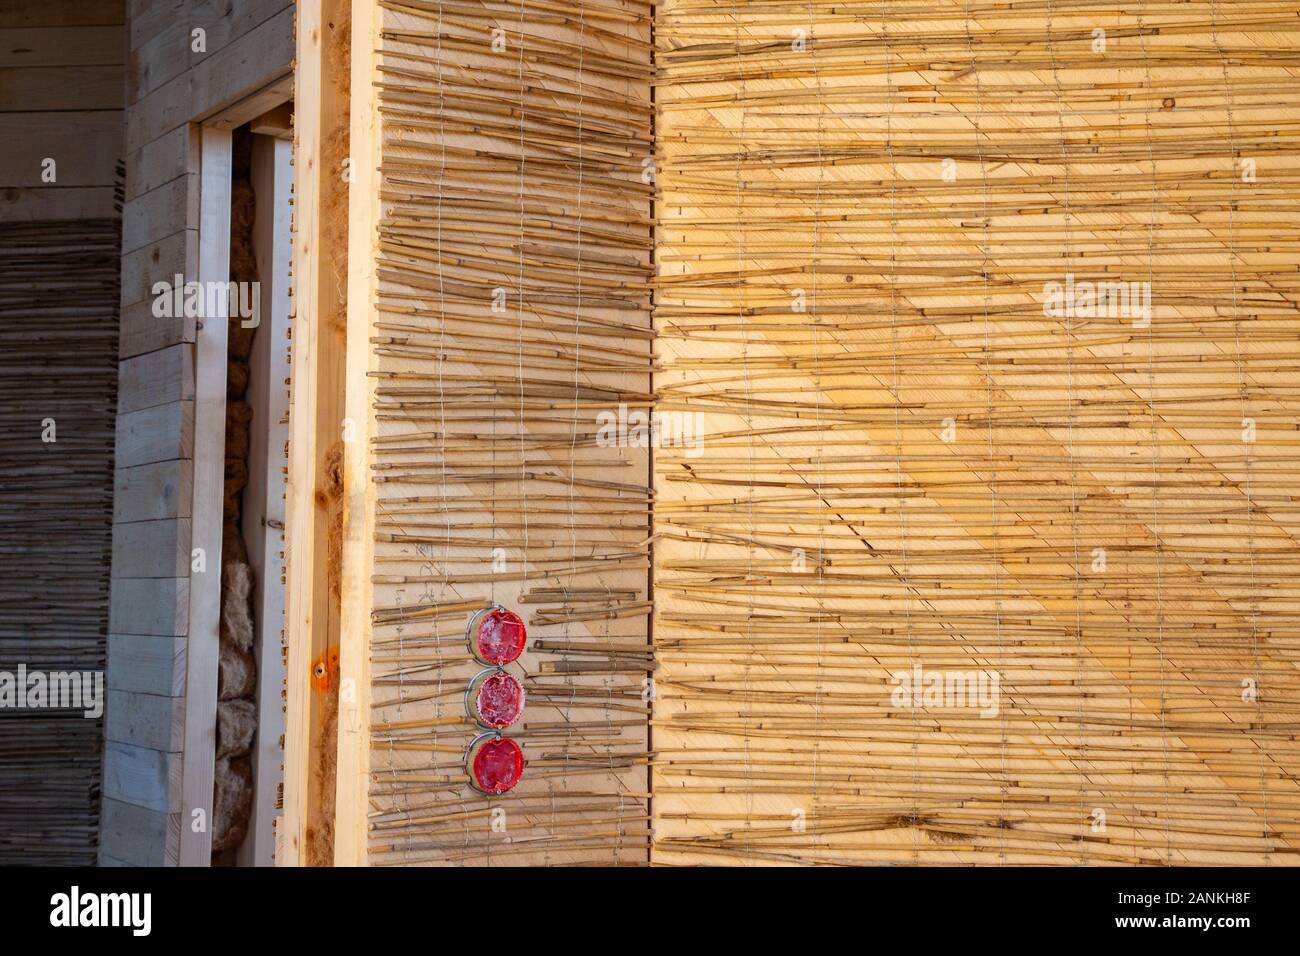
974,484
911,457
58,360
513,243
1099,510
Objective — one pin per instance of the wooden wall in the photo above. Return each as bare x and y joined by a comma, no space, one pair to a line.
61,66
508,175
244,70
908,462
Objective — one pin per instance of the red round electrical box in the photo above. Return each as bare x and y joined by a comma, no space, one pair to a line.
494,763
496,635
495,699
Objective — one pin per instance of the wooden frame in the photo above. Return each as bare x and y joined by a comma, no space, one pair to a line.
203,643
209,479
353,778
263,518
318,356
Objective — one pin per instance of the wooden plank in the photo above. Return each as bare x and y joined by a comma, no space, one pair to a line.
140,776
264,497
154,434
147,665
62,13
305,598
161,160
61,46
35,88
149,606
152,549
150,721
159,261
206,514
85,144
141,331
148,18
153,492
137,836
353,786
277,122
160,213
318,357
56,202
156,378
